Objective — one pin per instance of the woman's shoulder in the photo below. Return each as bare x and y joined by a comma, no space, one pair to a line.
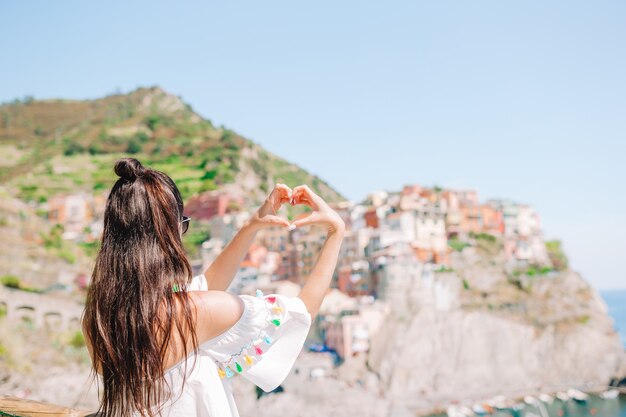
217,312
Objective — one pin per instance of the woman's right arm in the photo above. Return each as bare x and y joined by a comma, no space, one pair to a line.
318,281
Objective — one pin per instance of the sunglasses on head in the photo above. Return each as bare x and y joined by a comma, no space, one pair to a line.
185,222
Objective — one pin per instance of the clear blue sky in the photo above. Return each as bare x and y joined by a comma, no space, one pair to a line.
523,100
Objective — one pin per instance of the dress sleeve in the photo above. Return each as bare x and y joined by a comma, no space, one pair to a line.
265,342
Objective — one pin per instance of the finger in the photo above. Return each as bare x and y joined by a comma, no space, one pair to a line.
285,192
301,199
270,218
304,194
280,194
312,196
300,196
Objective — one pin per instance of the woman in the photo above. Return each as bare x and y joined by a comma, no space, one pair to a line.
168,343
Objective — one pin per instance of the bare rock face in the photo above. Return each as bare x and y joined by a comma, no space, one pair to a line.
482,272
558,336
157,99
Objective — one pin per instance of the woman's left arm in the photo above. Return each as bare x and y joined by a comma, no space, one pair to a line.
221,272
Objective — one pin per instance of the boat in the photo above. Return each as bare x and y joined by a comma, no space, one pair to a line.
454,411
530,400
479,409
576,395
546,398
498,402
562,396
459,411
466,410
609,394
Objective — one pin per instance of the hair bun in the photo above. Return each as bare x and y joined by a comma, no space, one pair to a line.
129,168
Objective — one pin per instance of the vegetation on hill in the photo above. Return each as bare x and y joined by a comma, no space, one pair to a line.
57,146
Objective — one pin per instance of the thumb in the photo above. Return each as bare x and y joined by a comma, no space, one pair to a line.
270,218
305,221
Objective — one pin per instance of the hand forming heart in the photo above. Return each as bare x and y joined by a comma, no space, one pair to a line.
322,214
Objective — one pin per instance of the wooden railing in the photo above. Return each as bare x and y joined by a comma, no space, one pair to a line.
13,406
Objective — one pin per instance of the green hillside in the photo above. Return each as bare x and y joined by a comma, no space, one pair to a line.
57,146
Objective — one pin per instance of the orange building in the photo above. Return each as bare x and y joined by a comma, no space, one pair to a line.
471,219
371,218
492,220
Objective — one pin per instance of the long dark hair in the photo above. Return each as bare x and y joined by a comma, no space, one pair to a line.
131,307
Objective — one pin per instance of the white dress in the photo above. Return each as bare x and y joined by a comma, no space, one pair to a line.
261,347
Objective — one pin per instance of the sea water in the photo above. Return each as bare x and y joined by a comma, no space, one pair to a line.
616,301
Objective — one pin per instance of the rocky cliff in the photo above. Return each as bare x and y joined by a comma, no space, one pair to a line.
506,334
